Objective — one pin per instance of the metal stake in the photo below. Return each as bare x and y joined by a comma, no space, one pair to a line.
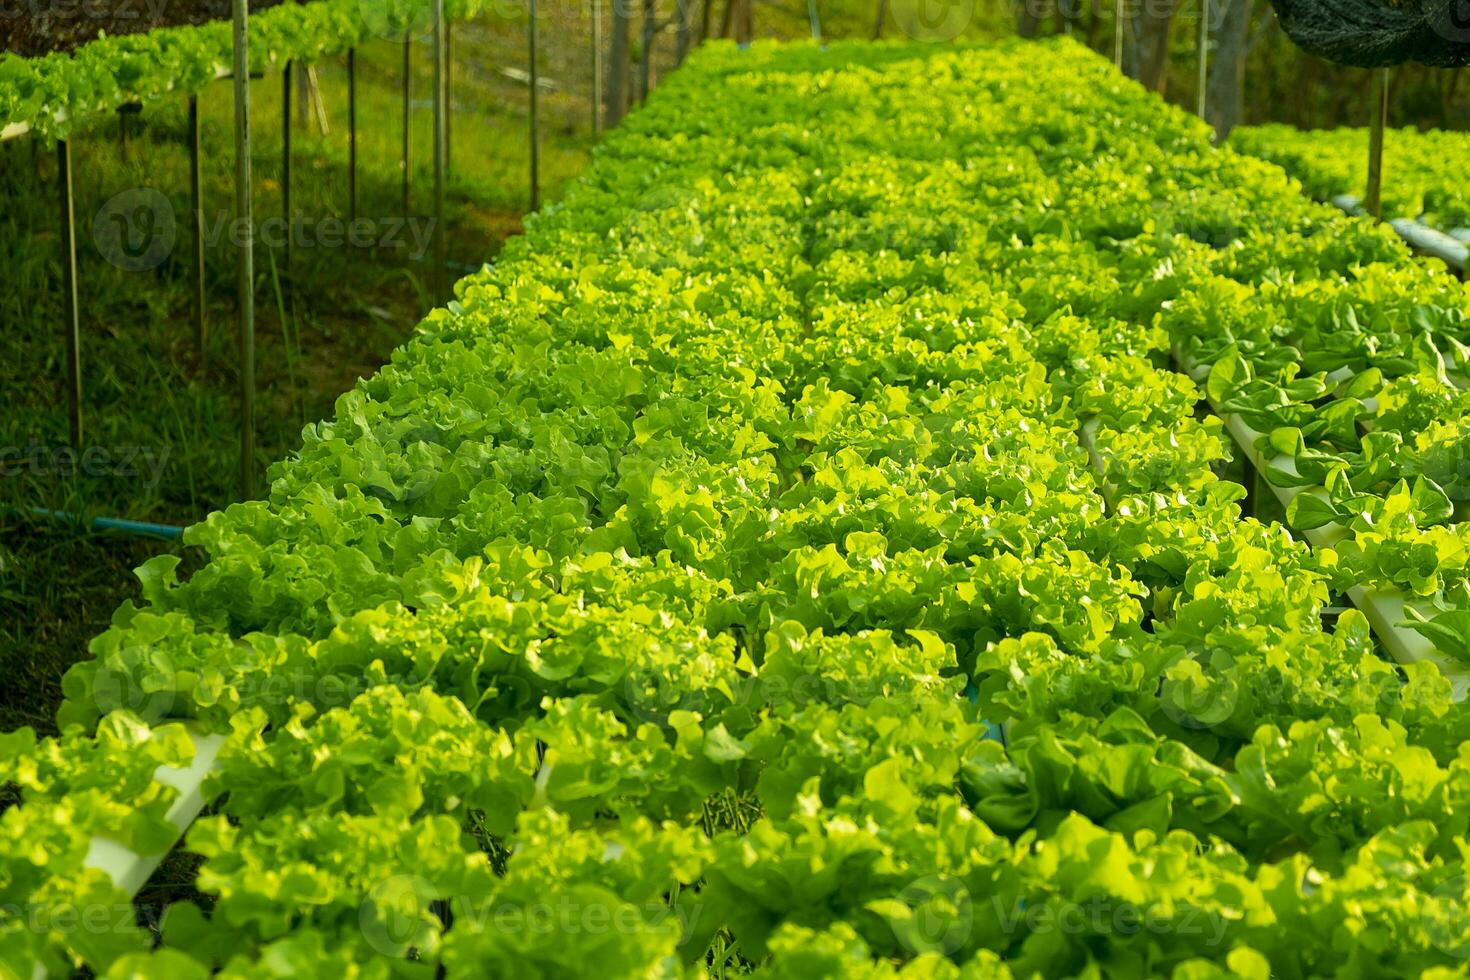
1118,34
441,144
448,89
535,103
681,30
407,114
1373,200
71,325
1204,54
645,57
815,18
352,135
196,198
286,158
245,282
597,67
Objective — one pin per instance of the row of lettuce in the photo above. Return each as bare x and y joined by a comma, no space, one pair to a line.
52,94
1424,169
1358,384
797,553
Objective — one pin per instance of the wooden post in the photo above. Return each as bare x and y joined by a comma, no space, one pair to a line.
535,108
617,63
404,159
245,283
286,158
645,61
71,324
1373,200
681,30
597,67
448,91
352,135
1204,55
441,133
1118,34
196,199
315,102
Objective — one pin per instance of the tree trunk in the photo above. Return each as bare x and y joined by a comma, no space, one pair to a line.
617,64
1224,93
878,24
1146,50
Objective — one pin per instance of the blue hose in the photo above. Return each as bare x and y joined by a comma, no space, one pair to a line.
993,732
141,529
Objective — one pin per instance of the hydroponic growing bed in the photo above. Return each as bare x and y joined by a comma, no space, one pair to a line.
807,552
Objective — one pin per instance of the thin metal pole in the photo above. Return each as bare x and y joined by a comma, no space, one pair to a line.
1118,34
196,199
71,325
407,115
645,57
448,92
441,144
681,30
535,113
286,156
597,67
815,18
245,282
1373,201
352,135
1204,54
